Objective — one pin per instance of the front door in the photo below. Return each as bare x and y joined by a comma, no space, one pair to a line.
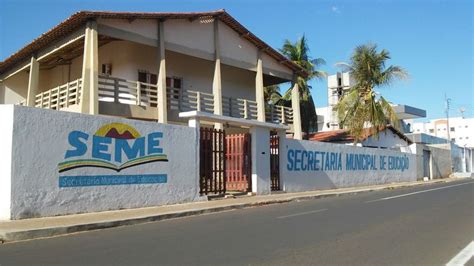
238,162
426,164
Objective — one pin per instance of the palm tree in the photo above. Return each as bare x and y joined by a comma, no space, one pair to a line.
272,94
298,52
361,106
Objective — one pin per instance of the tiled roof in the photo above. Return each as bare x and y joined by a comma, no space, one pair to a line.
76,20
343,135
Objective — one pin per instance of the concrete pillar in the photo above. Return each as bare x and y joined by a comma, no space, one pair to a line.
295,104
33,82
259,93
194,123
217,81
162,97
260,147
90,71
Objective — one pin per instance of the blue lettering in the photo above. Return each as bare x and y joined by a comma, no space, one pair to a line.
339,162
74,139
290,155
137,149
100,147
297,160
303,155
310,160
154,143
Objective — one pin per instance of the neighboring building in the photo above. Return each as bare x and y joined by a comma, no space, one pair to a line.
339,84
434,151
389,138
461,130
151,66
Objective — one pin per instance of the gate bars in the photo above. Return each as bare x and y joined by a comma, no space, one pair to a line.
238,162
225,161
274,160
212,161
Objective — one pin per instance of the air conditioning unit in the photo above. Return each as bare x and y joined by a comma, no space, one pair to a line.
106,69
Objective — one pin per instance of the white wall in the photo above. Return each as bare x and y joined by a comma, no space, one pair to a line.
6,138
385,139
14,89
196,38
440,161
318,175
40,142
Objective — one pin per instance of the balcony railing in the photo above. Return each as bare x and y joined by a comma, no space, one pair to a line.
60,97
117,90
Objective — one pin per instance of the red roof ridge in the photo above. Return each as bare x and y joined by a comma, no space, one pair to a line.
343,135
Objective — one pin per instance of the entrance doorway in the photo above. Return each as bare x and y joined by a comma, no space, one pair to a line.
212,161
238,162
427,164
275,161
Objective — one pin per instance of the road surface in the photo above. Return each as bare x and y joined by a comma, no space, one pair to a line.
428,225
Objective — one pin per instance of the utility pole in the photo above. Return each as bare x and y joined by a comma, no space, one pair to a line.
447,105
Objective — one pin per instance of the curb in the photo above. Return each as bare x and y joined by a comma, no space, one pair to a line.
56,231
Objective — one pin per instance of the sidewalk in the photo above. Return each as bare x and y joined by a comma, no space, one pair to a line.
52,226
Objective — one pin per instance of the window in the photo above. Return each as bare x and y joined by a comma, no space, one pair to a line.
453,139
148,93
106,69
431,130
439,129
466,137
452,129
460,137
174,85
466,126
339,82
418,130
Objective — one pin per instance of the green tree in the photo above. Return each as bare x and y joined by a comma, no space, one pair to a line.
299,53
272,94
361,106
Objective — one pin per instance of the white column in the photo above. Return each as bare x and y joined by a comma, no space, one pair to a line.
295,104
259,93
194,123
90,71
217,81
33,82
162,97
260,147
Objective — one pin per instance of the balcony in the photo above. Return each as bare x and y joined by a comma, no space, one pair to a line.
145,96
61,97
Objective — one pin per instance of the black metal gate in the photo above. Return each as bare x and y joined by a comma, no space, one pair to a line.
275,161
212,161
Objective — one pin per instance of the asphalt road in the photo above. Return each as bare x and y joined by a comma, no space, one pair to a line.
388,227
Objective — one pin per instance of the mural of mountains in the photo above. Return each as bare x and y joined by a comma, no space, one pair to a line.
117,131
113,133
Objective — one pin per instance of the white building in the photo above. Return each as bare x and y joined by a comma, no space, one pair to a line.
340,83
151,66
461,130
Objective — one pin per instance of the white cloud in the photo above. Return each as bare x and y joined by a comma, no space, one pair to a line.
335,9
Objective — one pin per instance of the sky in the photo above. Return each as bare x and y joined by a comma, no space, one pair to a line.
431,39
